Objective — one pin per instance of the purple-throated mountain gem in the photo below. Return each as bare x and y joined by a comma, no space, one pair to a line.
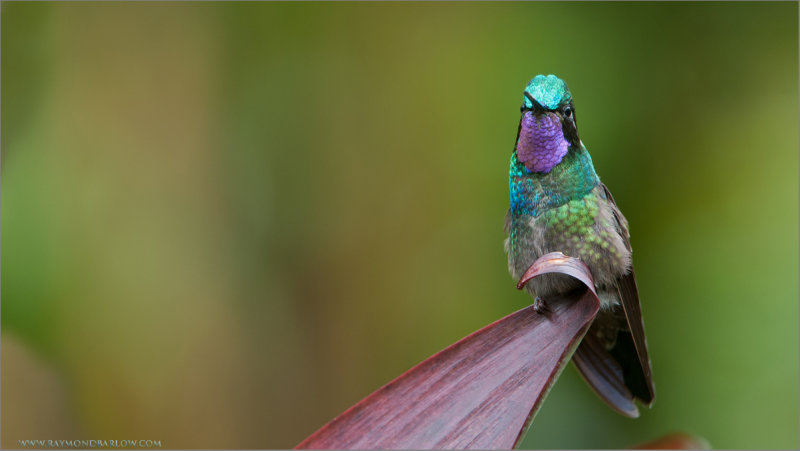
559,204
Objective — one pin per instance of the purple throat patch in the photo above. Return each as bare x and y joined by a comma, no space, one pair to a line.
541,144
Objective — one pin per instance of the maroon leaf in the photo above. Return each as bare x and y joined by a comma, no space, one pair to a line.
483,391
558,262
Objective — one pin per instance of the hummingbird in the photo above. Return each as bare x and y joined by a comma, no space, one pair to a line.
559,204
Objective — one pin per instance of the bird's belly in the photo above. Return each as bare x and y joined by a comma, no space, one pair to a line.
583,228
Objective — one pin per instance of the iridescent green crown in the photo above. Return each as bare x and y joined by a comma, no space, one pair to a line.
549,91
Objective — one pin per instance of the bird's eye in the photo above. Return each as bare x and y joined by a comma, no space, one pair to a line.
567,112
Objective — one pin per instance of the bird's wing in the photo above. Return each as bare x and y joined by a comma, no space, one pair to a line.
637,371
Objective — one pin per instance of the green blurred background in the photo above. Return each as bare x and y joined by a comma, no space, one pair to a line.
224,223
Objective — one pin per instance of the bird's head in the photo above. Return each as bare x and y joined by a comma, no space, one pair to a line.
548,126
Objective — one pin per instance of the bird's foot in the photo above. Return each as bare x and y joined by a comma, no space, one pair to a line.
539,306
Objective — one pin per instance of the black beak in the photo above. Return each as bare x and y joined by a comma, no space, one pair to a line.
536,105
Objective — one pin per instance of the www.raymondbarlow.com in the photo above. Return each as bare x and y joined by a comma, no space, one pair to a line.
84,444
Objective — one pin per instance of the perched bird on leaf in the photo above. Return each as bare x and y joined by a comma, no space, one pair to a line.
559,204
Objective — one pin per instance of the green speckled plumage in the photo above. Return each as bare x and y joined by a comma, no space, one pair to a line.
573,215
578,224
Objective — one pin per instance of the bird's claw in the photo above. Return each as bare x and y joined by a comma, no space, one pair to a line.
539,306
